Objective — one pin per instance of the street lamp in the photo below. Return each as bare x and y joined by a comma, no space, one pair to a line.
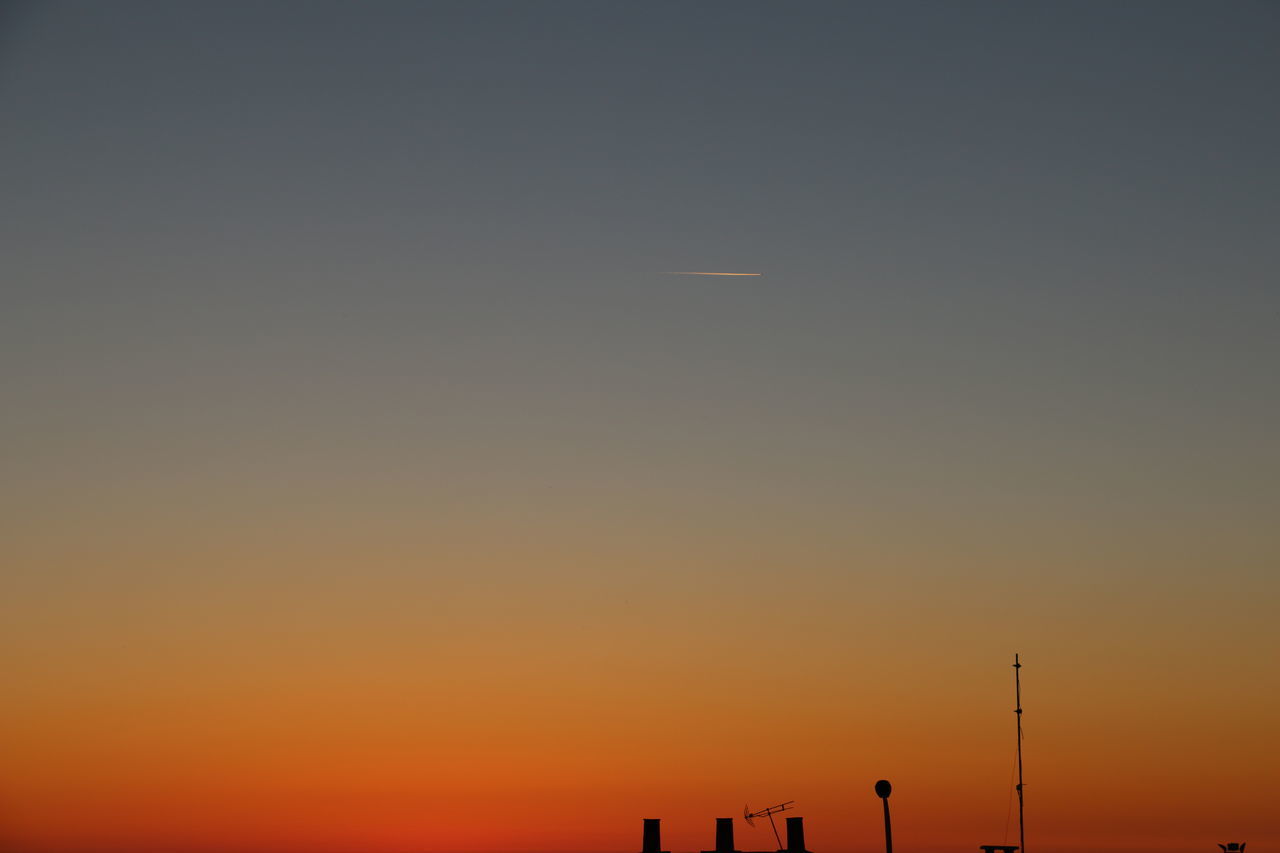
883,790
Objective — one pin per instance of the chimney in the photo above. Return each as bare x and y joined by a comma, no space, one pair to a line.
795,835
652,836
724,835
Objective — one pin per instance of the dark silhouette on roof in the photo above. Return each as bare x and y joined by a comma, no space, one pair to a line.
652,836
795,835
724,836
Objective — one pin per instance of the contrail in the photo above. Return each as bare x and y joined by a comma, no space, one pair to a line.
713,273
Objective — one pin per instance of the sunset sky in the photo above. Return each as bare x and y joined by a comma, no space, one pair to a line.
371,485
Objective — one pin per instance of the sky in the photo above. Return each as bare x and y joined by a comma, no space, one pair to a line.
370,485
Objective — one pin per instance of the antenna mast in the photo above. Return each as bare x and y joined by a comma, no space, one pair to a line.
751,816
1017,687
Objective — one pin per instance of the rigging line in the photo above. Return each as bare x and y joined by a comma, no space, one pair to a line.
1008,817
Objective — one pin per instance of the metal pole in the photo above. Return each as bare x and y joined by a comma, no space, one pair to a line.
776,836
1017,687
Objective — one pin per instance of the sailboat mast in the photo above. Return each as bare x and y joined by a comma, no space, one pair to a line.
1017,687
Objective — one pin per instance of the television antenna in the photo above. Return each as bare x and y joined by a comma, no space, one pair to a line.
750,817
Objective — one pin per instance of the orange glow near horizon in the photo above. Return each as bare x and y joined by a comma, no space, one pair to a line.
456,721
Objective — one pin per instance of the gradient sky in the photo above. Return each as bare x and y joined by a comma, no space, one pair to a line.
370,488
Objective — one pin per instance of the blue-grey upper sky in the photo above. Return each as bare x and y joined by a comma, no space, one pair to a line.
981,223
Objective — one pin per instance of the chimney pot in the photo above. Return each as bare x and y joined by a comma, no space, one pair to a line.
795,835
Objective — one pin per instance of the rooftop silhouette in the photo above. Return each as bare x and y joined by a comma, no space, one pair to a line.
652,841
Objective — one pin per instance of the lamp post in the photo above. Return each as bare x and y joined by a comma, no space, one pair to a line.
883,790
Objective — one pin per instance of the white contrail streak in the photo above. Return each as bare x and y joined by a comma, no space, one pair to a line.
714,273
